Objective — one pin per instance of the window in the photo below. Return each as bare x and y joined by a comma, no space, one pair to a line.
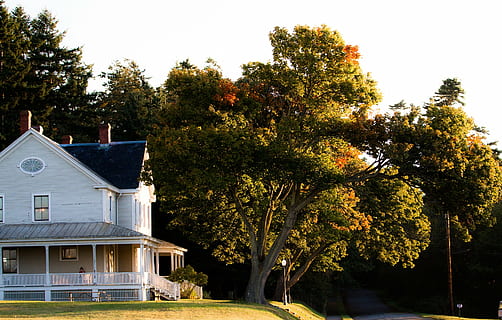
9,260
32,166
41,207
1,208
69,253
110,208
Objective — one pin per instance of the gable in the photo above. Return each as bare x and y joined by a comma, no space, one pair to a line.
117,164
34,145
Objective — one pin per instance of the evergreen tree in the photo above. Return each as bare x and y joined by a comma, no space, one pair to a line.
14,67
129,102
38,73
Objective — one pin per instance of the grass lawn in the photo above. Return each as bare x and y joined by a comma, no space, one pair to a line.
300,310
172,310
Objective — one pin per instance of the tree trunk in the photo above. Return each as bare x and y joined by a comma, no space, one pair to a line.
255,291
262,261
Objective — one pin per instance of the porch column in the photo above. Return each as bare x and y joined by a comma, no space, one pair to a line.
94,263
142,271
147,259
182,257
141,258
152,260
47,274
47,292
157,262
172,262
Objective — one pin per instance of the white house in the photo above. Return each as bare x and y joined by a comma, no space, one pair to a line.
75,221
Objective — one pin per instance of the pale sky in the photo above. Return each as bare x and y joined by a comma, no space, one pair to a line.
409,47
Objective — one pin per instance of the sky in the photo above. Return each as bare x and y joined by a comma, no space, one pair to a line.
409,47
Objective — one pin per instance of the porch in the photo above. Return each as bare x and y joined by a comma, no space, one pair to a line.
116,265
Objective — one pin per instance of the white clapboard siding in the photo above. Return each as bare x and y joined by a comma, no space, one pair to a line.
73,197
126,211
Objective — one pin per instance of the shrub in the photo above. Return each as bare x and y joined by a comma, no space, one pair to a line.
189,279
189,274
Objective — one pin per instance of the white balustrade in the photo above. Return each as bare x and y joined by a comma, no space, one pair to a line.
164,286
118,278
68,279
23,280
72,279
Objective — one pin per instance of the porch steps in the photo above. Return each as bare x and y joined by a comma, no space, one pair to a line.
163,288
160,294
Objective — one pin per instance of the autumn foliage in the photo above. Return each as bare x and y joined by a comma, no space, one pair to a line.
352,54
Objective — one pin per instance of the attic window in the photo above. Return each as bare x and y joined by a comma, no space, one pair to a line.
32,165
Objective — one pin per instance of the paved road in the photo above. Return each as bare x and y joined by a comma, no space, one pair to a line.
389,316
364,304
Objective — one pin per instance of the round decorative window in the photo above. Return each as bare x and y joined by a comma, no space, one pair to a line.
32,165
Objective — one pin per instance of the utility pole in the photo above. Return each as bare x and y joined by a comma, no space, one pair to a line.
448,262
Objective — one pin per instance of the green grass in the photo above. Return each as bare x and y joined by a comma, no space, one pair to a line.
300,310
172,310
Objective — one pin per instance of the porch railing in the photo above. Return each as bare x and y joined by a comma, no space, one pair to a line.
71,279
161,286
168,289
24,280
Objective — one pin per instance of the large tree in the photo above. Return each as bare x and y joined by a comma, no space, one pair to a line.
440,150
242,164
247,161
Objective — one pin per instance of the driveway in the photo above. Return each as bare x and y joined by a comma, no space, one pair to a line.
363,304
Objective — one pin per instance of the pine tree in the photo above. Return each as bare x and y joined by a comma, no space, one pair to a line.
14,66
38,73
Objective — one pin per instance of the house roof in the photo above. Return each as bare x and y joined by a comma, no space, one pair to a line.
120,163
67,232
45,231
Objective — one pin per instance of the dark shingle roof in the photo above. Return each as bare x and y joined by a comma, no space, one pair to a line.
120,163
82,230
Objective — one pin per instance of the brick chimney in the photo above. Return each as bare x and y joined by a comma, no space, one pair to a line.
24,121
105,133
40,129
67,139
